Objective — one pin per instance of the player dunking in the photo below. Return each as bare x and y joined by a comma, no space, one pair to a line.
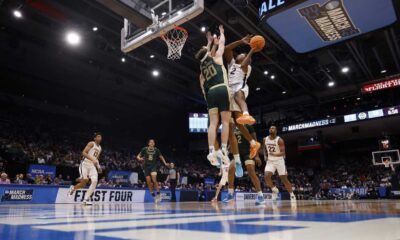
274,154
89,168
214,83
151,155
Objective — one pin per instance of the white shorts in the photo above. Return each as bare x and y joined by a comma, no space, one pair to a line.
234,89
276,165
88,171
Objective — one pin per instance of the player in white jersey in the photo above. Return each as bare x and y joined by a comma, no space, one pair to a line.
274,155
89,168
224,179
239,70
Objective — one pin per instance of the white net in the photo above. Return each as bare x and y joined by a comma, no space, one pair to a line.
175,40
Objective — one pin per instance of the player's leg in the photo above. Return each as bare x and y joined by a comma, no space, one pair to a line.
240,99
251,171
218,190
155,184
212,135
94,179
83,179
281,168
235,150
254,145
231,183
225,120
270,169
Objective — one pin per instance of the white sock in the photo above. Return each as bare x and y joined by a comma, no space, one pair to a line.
231,190
236,157
275,189
292,194
259,193
211,149
91,190
224,148
246,113
253,142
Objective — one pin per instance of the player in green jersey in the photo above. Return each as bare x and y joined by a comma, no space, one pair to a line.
151,155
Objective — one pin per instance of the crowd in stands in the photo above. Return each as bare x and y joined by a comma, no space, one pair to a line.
39,144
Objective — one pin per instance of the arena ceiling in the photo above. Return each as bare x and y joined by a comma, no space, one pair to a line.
38,64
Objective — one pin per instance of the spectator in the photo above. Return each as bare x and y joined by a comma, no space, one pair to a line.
29,179
4,178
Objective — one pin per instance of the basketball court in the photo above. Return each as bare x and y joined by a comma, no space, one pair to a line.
312,220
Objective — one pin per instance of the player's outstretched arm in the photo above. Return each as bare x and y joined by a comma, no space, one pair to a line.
163,160
221,45
229,48
139,157
246,61
265,151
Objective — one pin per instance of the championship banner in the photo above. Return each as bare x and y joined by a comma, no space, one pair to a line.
102,196
246,196
387,84
122,177
36,169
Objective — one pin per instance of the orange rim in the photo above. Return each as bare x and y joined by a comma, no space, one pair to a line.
176,28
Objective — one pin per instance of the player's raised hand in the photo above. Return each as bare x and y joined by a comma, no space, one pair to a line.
216,40
221,29
246,39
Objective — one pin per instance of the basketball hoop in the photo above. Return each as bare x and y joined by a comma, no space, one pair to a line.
175,40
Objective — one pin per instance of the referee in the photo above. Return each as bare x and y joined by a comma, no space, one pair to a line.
173,178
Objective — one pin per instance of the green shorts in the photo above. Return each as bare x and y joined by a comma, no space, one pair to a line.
218,99
245,158
150,170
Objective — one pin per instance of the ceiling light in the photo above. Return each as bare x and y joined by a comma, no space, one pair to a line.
345,69
272,77
163,13
152,56
203,29
358,98
284,92
179,12
331,84
258,89
73,38
95,29
17,13
383,71
265,72
155,73
123,59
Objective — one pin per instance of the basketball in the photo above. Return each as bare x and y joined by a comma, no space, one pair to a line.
257,42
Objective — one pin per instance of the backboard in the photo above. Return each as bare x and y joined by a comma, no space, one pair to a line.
379,157
155,18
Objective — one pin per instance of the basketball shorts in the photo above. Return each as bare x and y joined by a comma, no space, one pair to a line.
87,170
245,158
218,99
276,166
234,89
150,170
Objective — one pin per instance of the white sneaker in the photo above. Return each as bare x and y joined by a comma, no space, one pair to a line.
212,157
292,197
71,191
275,193
224,158
87,202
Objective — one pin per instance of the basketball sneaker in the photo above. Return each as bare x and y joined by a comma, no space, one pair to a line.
260,200
229,198
275,192
71,191
254,150
292,197
246,119
220,158
87,202
239,169
212,157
